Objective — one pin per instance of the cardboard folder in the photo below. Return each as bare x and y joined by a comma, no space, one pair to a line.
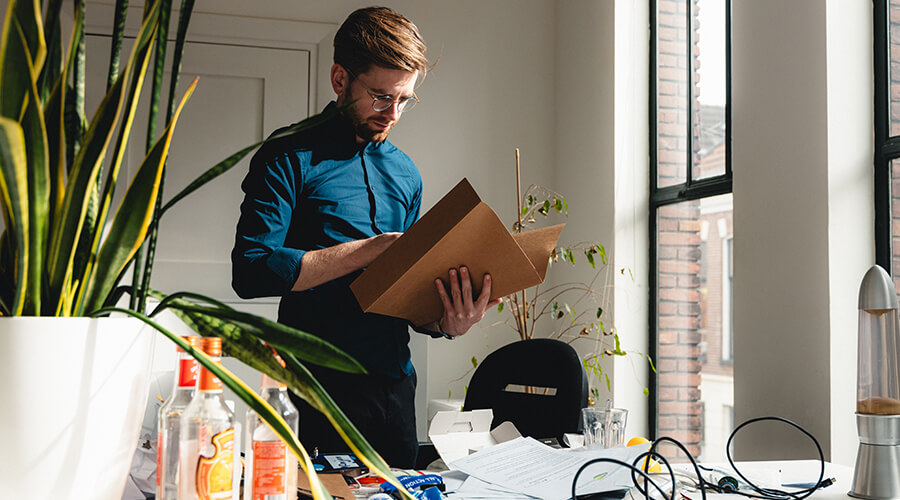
460,230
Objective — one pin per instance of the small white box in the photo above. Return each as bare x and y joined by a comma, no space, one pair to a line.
456,434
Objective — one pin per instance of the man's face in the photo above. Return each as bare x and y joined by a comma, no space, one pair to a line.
371,125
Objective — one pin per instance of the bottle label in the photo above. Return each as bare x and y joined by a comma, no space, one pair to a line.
159,452
187,373
214,473
268,470
208,381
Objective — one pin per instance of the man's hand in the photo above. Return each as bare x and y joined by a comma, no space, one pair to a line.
460,310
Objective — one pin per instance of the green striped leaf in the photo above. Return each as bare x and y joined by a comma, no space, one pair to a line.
85,171
115,48
28,14
14,192
36,154
255,354
14,82
307,387
53,65
307,347
129,227
242,391
105,201
56,147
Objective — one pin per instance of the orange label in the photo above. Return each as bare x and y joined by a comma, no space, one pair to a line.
214,474
188,373
268,469
159,442
208,381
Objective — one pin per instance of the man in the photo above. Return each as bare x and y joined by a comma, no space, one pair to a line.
321,205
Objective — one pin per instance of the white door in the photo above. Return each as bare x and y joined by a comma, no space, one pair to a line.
243,95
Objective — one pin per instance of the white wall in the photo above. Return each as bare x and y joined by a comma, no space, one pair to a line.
602,72
802,94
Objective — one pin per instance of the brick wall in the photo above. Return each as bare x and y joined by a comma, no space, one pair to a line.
679,243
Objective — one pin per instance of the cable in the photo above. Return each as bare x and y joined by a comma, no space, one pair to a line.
702,484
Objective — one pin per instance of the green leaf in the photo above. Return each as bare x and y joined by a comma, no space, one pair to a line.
304,345
89,244
313,393
36,157
599,312
474,362
558,204
14,192
115,48
241,390
608,384
646,391
85,171
53,65
129,227
590,258
500,308
602,251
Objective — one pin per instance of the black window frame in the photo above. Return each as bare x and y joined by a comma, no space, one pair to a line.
886,148
691,189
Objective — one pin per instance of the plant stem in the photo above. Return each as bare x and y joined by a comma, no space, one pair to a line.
523,329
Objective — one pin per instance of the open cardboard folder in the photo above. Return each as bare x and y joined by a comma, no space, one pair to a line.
459,230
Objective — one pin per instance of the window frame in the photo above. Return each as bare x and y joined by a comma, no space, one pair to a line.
691,189
886,148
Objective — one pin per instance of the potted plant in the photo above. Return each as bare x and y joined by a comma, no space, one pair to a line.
572,311
64,249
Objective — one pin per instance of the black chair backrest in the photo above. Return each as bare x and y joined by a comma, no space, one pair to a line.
536,363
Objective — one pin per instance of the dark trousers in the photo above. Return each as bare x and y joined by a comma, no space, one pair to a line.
381,407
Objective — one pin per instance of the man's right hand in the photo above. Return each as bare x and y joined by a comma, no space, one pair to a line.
320,266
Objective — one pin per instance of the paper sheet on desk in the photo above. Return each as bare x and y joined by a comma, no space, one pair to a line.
527,466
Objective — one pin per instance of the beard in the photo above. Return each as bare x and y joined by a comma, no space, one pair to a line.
366,128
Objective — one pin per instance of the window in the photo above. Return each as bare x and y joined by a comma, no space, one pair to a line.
887,133
690,221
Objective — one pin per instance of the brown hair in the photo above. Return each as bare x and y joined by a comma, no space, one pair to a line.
379,36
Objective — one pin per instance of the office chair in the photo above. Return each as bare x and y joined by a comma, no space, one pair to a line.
539,363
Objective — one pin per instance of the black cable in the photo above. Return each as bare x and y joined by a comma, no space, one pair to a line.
775,494
624,464
702,484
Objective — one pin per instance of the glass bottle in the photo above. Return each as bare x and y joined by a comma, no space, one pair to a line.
271,468
207,437
170,423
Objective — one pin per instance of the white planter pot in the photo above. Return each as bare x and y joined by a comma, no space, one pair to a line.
72,397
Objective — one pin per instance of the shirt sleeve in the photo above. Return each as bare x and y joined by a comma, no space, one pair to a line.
261,265
412,214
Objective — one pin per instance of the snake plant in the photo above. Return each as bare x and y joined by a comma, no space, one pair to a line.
65,248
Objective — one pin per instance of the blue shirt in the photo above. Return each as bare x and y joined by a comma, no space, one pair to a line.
315,189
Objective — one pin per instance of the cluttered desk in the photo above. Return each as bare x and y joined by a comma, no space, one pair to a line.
478,463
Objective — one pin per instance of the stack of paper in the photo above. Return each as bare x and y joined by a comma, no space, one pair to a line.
526,468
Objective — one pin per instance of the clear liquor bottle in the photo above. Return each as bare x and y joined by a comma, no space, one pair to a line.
271,468
207,437
170,423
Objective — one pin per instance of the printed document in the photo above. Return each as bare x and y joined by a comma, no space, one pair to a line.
527,466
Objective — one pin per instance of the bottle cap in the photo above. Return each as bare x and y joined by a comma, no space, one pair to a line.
211,345
190,339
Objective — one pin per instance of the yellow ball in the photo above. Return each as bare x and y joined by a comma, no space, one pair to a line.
637,440
654,465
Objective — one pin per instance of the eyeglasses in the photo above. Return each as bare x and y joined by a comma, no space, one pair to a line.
384,102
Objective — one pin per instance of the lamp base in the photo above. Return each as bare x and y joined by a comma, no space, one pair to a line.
877,473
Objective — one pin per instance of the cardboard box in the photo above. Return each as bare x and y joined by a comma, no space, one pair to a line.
459,230
456,434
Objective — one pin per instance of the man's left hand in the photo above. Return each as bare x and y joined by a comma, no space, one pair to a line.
461,311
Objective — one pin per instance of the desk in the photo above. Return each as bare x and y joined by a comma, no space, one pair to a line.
793,471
